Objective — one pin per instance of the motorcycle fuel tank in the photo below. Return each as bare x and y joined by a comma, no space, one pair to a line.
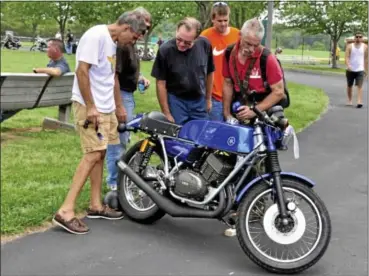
219,135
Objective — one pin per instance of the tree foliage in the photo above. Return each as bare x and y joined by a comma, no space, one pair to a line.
330,17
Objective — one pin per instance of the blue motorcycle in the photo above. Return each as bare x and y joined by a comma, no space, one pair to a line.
228,172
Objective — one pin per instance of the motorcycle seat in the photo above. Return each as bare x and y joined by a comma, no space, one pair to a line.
156,123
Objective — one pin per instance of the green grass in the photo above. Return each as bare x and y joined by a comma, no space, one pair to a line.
313,53
37,166
315,68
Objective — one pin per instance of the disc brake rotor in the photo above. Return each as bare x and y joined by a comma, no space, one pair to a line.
286,237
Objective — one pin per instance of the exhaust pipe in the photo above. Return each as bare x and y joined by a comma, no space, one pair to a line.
167,205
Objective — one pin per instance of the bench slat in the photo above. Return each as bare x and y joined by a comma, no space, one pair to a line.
21,91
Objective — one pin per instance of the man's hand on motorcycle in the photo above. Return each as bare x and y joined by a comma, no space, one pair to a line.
121,114
169,117
245,113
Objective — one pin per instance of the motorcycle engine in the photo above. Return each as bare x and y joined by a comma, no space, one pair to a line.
194,184
190,184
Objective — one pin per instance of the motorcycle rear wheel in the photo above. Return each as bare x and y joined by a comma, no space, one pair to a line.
259,223
143,215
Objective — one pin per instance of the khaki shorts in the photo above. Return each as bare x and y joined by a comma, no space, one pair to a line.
89,139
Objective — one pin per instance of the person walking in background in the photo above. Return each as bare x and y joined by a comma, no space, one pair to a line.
160,41
356,60
97,107
128,71
183,69
68,46
221,35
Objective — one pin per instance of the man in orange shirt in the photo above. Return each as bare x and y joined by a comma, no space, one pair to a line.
220,36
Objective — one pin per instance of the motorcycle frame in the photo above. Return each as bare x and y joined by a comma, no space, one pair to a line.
250,159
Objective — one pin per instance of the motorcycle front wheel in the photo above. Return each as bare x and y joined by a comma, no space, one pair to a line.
274,246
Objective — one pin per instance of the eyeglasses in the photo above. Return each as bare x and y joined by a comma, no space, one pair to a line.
185,42
359,36
219,4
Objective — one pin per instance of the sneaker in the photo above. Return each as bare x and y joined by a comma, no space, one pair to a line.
105,213
74,226
230,232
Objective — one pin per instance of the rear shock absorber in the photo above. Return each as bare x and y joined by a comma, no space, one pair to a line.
142,158
147,152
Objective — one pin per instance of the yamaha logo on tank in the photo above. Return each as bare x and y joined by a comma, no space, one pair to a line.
231,141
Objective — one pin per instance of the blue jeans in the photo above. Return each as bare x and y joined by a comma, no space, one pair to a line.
114,152
187,110
216,113
68,48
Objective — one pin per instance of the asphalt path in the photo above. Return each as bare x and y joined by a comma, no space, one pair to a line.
333,153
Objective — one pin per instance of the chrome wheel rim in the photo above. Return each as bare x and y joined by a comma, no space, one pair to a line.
281,243
136,197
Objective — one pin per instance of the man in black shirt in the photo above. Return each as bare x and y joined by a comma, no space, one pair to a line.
183,69
128,73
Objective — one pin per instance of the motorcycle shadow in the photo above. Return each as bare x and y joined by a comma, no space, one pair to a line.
198,236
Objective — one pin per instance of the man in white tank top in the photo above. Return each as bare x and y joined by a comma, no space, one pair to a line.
97,107
356,59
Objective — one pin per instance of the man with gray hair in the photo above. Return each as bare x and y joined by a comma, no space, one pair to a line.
249,66
244,65
128,72
97,105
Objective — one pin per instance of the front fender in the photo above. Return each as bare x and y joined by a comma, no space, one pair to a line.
284,175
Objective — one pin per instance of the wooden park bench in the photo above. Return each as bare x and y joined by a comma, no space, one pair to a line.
29,91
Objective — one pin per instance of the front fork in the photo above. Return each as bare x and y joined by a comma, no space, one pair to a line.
275,169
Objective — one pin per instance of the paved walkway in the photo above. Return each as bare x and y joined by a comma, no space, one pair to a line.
333,153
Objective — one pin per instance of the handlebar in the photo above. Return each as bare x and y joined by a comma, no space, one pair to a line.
273,120
282,123
122,127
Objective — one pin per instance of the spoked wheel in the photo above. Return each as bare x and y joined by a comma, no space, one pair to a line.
277,247
135,203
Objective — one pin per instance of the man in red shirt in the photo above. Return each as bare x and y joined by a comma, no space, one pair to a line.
245,58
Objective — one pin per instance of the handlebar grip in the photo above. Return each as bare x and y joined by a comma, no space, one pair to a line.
122,127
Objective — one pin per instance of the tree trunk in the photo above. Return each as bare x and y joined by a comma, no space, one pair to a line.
34,30
204,13
334,61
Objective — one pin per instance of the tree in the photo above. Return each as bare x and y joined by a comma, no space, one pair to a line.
165,11
242,11
204,9
29,13
330,17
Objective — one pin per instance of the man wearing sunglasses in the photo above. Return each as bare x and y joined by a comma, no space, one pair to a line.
220,37
183,69
97,106
128,73
356,60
